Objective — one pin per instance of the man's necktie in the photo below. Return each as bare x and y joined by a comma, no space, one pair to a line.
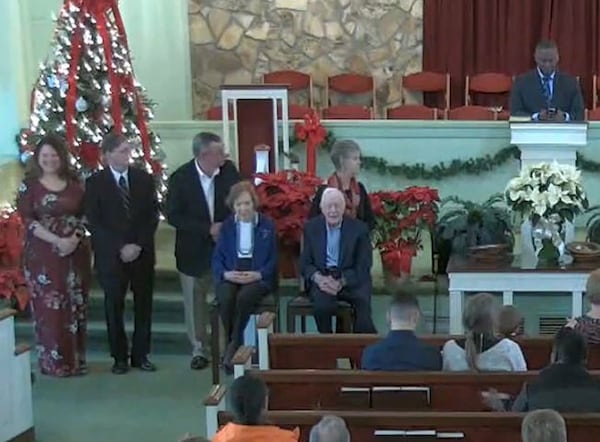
547,84
124,191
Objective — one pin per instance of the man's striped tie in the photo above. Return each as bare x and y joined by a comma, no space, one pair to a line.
124,190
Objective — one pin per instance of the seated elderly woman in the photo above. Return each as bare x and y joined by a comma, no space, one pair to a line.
244,264
248,401
345,156
481,349
589,324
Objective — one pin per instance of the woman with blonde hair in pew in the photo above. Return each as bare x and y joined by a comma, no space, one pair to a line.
589,324
248,401
481,349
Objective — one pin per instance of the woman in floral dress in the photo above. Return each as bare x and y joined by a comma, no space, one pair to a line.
56,258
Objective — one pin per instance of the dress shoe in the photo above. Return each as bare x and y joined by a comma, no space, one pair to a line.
120,367
144,365
199,363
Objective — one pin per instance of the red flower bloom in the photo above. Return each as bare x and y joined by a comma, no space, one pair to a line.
12,280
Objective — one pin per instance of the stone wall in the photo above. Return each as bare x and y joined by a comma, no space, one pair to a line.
237,41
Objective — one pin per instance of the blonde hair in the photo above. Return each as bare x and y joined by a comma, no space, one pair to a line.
479,320
543,426
592,287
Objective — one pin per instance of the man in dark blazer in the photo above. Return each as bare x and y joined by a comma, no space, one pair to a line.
544,94
195,206
401,350
336,263
122,211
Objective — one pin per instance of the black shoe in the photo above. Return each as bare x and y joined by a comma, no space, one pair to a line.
199,363
144,365
120,367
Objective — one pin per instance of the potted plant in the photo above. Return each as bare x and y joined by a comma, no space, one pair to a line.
13,289
548,195
286,198
592,226
463,224
400,217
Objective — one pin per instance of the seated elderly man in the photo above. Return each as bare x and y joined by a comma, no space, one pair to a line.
336,263
543,426
330,429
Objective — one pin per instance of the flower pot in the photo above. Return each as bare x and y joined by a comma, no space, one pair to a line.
396,267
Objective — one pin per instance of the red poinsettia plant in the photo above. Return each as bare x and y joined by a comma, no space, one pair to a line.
12,281
285,197
400,217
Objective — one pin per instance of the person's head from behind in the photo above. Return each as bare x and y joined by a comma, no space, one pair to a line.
404,312
345,156
479,320
509,321
208,151
243,200
546,56
330,429
248,397
592,289
569,347
333,206
116,150
543,426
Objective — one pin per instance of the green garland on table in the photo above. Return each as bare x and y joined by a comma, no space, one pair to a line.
442,170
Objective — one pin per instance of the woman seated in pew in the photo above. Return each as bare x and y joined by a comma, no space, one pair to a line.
565,385
509,322
481,349
248,401
589,324
345,156
244,264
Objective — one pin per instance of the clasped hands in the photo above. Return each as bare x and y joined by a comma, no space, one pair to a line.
328,284
67,245
559,115
130,252
238,277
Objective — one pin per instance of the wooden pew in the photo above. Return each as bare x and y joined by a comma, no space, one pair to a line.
287,351
378,390
378,426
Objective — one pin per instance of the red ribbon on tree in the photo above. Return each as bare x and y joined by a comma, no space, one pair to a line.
313,133
99,10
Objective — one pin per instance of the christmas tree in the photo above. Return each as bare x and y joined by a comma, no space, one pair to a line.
87,88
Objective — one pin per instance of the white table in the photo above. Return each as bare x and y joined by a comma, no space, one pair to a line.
469,276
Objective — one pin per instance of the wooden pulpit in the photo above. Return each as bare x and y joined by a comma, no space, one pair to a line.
255,123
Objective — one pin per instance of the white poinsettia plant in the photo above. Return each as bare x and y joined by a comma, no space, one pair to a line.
547,189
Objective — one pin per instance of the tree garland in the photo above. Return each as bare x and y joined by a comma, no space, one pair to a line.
442,170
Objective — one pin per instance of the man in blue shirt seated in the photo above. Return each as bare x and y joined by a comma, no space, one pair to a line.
401,350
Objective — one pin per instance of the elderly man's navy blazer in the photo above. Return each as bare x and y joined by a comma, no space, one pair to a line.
356,253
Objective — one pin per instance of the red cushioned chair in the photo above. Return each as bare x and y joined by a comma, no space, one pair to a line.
472,113
428,82
297,81
491,89
349,84
412,112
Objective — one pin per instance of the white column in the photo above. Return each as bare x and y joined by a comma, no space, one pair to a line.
456,301
577,304
507,297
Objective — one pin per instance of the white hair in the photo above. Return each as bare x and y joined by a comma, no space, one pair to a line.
332,192
330,429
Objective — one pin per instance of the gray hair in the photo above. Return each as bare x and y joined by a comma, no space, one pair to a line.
342,149
330,429
546,44
543,426
202,141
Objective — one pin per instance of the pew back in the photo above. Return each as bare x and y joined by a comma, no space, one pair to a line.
378,426
364,390
288,351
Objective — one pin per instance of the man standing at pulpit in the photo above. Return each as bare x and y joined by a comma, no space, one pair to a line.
544,93
336,263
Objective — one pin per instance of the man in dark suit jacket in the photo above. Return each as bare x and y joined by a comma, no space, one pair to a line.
122,211
336,263
195,206
545,94
401,350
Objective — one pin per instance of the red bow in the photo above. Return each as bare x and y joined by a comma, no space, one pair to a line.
313,132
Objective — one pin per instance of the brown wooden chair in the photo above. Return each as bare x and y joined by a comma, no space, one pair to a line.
302,306
349,84
411,112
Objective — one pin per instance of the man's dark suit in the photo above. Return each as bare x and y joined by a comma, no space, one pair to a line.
354,264
401,350
527,95
187,210
111,229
